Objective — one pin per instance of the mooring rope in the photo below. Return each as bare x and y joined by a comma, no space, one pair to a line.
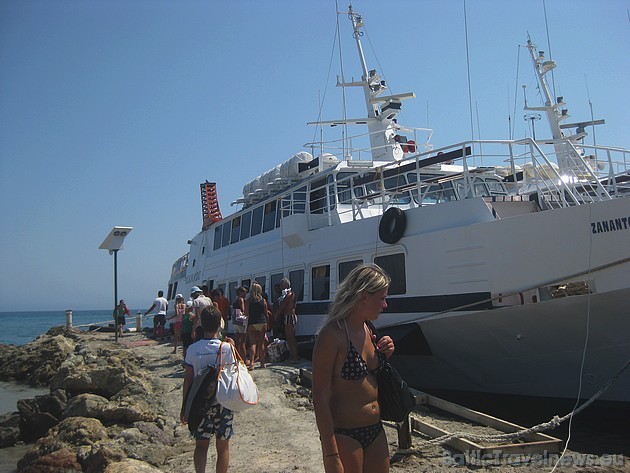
554,422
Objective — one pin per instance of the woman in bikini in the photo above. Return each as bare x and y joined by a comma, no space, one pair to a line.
346,359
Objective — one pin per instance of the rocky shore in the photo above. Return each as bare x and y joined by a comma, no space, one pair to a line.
114,408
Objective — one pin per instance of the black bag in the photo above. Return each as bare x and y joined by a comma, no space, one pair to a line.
200,396
394,397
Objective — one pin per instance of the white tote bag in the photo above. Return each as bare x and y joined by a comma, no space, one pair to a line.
236,390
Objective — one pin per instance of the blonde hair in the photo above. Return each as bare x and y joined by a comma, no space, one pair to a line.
256,292
368,278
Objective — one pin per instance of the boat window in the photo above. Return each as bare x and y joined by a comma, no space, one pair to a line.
278,217
226,233
393,184
496,187
174,293
394,265
262,280
246,223
299,201
344,187
346,267
217,236
236,229
331,193
320,283
170,292
247,283
275,281
480,188
269,220
318,196
232,290
257,218
297,283
210,284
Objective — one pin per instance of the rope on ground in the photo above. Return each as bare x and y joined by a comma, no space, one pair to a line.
549,425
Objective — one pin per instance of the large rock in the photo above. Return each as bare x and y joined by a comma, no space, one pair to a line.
40,413
37,362
68,434
116,411
9,429
62,460
131,466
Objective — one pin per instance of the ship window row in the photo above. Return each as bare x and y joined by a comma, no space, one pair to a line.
319,280
260,219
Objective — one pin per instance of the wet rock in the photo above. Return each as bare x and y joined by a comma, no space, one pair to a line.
9,429
68,434
40,413
62,460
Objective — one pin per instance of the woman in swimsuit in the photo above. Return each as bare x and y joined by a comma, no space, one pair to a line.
346,359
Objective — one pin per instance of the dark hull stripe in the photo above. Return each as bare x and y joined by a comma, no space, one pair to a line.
416,304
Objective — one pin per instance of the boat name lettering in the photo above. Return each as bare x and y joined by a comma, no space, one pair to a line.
193,277
611,225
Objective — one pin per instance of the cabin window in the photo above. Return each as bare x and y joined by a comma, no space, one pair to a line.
346,267
297,283
344,190
217,236
299,201
394,266
257,218
174,293
210,284
262,280
203,250
331,193
275,281
318,196
496,187
232,290
247,283
170,292
269,220
320,283
394,183
226,233
278,217
246,224
236,229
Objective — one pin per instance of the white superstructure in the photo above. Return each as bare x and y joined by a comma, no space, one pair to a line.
503,276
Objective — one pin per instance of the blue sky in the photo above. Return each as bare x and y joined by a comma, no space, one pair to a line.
113,112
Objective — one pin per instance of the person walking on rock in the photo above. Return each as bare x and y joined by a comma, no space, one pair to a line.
160,304
217,420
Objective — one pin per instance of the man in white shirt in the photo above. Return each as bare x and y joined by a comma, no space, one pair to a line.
160,304
200,302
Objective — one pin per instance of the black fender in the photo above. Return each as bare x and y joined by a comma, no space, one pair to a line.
392,226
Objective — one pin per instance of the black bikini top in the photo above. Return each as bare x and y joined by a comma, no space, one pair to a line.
354,366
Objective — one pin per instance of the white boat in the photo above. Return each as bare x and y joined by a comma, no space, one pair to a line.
511,278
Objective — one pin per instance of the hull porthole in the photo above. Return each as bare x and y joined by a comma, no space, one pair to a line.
392,226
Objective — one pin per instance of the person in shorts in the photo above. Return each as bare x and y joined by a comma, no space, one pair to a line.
187,327
217,420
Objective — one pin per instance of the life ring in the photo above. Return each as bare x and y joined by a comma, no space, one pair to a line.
392,225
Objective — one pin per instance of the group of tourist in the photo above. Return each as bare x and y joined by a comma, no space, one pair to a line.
346,358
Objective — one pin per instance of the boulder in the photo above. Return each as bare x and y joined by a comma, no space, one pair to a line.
131,466
9,429
40,413
85,405
62,460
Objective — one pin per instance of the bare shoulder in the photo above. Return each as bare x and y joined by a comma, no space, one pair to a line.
329,337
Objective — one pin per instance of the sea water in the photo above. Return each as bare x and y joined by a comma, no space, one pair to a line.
19,328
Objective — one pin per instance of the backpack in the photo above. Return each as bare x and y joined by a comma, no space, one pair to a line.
200,396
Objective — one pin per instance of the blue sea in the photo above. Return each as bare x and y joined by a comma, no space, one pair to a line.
19,328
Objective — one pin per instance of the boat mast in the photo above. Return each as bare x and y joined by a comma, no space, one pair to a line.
381,110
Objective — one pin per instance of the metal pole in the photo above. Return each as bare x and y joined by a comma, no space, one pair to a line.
115,293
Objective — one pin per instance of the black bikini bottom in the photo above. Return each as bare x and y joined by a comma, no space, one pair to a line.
364,435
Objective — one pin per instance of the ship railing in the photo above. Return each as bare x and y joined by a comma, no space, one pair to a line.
342,148
457,172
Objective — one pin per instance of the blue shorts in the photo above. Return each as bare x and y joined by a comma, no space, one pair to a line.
217,421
